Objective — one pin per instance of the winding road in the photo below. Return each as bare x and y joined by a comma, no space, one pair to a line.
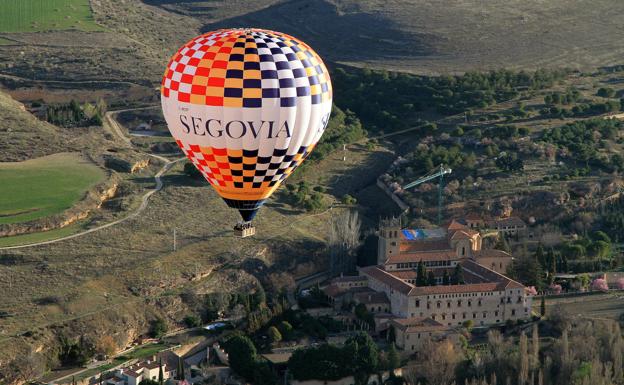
118,132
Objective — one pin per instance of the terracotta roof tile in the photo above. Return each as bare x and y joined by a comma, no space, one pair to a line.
425,245
374,297
451,289
383,276
455,225
491,253
442,255
465,234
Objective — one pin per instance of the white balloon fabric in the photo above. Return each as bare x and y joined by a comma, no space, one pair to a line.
246,106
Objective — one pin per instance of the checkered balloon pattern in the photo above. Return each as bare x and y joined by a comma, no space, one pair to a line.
246,106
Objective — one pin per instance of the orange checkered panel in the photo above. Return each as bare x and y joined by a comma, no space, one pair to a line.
246,68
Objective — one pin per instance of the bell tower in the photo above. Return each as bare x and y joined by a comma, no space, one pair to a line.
389,243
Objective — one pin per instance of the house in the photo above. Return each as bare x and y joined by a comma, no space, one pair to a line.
144,370
411,333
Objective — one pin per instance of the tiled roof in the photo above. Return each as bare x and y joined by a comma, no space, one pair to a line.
442,255
490,275
425,245
130,373
373,297
465,234
455,225
453,289
491,253
383,276
511,221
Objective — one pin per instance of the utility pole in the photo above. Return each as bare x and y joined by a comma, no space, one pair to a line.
175,240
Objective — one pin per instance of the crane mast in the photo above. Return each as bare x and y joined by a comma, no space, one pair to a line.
439,174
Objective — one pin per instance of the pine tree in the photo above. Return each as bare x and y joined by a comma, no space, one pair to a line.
446,280
543,306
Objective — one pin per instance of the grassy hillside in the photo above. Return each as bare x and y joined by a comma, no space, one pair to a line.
46,15
432,36
44,186
23,135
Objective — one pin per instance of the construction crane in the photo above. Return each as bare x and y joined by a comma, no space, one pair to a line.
439,173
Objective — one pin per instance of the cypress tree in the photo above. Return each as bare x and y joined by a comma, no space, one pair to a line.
421,274
161,376
431,281
458,275
180,374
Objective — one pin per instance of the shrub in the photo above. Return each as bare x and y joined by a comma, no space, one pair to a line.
286,329
192,321
348,199
158,328
274,334
600,284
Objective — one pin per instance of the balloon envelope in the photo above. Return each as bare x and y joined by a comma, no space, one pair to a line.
246,106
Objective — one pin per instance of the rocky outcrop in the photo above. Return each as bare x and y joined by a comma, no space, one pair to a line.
138,166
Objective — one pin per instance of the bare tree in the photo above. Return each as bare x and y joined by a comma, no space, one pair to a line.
26,368
439,366
344,238
523,372
535,346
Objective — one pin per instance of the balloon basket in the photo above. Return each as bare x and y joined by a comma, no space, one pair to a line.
244,229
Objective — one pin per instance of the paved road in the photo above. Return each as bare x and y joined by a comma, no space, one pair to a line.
117,130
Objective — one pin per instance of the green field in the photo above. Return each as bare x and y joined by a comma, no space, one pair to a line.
4,41
46,15
44,186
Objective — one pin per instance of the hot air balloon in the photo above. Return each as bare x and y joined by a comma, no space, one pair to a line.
246,106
